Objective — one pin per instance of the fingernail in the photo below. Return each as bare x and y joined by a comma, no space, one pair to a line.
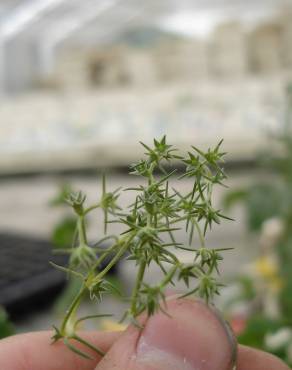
229,333
193,338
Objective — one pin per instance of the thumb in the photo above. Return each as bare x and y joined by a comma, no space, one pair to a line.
192,337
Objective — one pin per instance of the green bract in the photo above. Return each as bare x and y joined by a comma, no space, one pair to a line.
151,224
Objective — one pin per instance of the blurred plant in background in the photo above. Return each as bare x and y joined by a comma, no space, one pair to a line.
6,327
63,232
264,290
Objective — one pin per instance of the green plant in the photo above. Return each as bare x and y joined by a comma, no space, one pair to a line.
151,223
265,200
6,327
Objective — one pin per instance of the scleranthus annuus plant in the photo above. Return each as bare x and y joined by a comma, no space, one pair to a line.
150,224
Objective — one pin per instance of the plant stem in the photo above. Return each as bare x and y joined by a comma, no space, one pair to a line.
72,309
115,258
82,230
142,266
201,236
91,208
151,177
103,256
138,282
89,345
169,276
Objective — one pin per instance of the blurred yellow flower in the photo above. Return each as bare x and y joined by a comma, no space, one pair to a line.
111,325
267,268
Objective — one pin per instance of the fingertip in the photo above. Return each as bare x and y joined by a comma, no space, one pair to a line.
34,351
190,337
251,358
188,334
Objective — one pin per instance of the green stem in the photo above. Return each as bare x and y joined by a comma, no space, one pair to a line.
91,208
142,266
201,236
103,256
82,230
116,258
151,177
169,276
73,307
139,279
89,345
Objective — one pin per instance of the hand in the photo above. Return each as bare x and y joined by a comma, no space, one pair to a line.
194,337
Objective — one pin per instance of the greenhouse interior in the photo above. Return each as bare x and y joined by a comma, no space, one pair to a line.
145,181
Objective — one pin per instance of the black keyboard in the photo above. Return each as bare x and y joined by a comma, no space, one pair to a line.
27,280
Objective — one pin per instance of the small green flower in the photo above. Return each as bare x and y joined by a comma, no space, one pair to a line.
142,168
152,297
161,151
98,287
76,201
208,287
188,272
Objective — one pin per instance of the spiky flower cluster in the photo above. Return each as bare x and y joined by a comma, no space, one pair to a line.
151,224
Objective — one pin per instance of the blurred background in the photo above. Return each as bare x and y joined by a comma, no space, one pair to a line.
81,82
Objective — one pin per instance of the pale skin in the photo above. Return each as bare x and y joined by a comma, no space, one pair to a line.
201,334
